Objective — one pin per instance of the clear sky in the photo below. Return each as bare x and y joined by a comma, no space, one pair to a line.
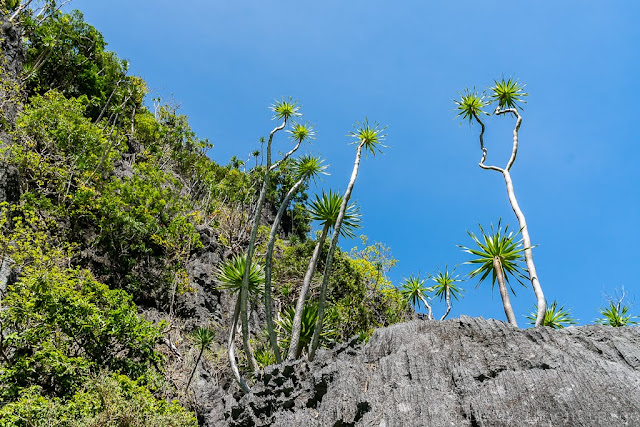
402,64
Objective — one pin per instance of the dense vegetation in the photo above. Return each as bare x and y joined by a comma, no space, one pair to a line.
112,202
115,198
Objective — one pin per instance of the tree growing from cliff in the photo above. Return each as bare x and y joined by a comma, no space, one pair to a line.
203,338
616,313
508,94
415,291
554,317
283,110
324,209
230,276
307,167
500,255
368,137
445,288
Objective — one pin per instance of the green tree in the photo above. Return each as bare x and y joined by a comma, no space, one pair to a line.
554,317
500,255
616,313
283,110
415,291
307,167
368,137
230,276
324,209
445,288
203,338
508,94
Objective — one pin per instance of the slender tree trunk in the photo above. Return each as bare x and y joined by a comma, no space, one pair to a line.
447,298
504,292
267,272
244,291
428,306
528,255
294,351
232,349
194,368
334,242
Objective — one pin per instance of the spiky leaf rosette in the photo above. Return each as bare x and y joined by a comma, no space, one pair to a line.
370,135
446,281
413,290
310,167
285,109
500,244
554,317
307,327
508,93
616,315
326,209
470,105
229,275
203,337
301,132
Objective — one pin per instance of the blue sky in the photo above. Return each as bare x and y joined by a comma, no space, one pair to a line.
402,64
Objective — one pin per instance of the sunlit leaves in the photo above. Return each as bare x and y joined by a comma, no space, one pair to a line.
470,105
370,136
326,208
301,132
229,275
500,244
285,109
310,167
414,290
508,93
616,314
555,317
446,282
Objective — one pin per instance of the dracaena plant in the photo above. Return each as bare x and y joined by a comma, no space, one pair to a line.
414,291
446,287
508,95
498,254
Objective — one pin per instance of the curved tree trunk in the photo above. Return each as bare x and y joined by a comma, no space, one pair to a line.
528,255
428,306
244,291
504,292
232,350
447,298
334,242
267,272
294,352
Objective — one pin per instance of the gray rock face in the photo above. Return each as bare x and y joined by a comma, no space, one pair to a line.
460,372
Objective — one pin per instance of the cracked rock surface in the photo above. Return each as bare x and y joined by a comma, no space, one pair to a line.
459,372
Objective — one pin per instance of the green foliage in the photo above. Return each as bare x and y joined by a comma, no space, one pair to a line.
554,317
370,135
301,132
60,324
307,327
446,283
470,106
414,291
229,275
285,109
616,315
498,244
325,209
508,93
67,54
105,401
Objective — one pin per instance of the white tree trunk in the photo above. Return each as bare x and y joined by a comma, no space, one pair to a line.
232,349
504,292
334,242
304,291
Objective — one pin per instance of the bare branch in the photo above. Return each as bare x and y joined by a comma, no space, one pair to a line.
514,150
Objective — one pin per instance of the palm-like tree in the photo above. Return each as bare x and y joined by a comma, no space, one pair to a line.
283,110
368,137
306,168
230,276
415,291
616,314
445,288
554,317
308,325
508,94
203,338
500,255
324,209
